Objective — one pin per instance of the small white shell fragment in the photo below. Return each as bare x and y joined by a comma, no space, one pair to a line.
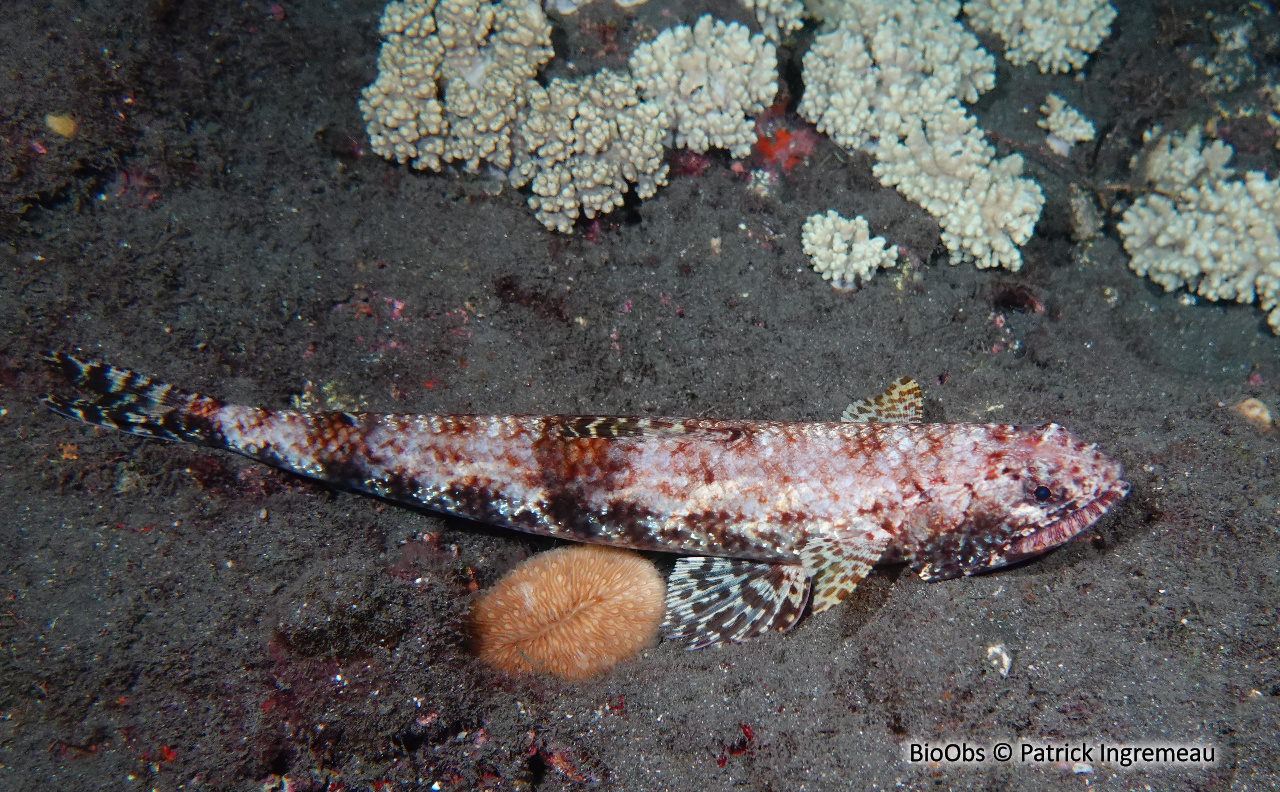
1000,659
1255,413
1058,146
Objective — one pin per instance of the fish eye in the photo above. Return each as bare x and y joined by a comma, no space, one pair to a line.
1042,493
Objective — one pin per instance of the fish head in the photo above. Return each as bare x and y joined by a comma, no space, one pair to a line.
1066,486
1033,488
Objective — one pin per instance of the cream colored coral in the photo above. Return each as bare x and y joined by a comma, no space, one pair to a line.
842,250
1056,35
583,143
571,6
1171,163
893,74
1065,124
708,79
578,144
1231,64
895,58
777,18
483,55
1203,229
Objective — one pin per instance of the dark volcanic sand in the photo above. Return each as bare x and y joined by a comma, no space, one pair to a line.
177,618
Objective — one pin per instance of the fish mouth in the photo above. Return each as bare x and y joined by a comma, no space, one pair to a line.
1059,531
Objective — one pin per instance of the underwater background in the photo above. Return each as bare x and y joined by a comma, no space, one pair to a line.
188,191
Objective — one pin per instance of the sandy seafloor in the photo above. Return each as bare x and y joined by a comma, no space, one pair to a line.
178,618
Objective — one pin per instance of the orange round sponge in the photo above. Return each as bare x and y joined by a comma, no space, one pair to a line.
574,612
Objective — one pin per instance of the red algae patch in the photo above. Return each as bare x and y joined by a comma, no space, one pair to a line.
782,142
573,612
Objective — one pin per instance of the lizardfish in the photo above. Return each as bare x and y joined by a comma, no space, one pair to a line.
770,516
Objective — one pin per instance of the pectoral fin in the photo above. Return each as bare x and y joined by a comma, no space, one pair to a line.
840,564
712,601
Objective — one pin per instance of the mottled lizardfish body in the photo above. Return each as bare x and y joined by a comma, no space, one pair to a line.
770,515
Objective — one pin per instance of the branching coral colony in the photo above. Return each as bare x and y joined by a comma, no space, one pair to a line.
1203,228
456,84
580,144
894,75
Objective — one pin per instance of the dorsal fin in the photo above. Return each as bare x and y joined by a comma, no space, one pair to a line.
901,402
613,427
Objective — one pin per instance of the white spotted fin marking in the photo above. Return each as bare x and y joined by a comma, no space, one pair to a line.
712,601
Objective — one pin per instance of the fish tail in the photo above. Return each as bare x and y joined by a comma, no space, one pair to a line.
130,402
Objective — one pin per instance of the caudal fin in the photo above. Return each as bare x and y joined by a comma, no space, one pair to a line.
131,402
